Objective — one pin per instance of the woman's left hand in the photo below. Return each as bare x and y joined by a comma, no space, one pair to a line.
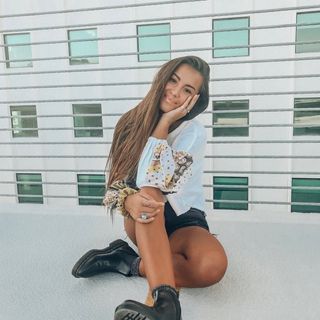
172,116
142,203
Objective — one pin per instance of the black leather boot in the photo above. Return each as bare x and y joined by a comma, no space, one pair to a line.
117,257
166,307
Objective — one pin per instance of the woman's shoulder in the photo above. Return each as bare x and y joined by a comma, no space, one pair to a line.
195,123
191,130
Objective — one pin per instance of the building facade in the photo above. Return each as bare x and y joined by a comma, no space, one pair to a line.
69,70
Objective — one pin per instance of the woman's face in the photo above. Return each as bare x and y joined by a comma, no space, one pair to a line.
184,82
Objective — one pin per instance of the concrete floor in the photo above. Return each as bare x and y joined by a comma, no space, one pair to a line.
273,269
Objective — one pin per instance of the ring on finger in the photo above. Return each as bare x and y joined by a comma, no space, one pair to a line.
144,216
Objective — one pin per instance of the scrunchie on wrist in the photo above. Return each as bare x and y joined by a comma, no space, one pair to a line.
116,196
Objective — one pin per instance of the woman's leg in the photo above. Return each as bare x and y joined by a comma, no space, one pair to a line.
199,259
154,246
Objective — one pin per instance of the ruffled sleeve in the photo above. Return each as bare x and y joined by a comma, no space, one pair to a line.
162,167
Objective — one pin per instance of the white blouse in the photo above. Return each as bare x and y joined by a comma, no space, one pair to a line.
175,166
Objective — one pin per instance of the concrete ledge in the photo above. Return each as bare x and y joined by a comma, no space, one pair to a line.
214,215
273,269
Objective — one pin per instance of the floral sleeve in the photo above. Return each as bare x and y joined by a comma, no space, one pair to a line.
162,167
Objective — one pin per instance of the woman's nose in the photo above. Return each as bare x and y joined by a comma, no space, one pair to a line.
175,91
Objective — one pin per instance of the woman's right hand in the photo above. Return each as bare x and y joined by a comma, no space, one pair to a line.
139,203
172,116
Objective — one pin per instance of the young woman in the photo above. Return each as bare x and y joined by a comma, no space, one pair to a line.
155,180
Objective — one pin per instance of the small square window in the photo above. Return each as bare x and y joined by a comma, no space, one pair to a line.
308,120
24,117
230,117
230,188
308,33
22,52
153,43
230,38
87,115
83,52
302,192
29,187
91,189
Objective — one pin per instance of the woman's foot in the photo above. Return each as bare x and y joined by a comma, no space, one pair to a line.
117,257
149,299
166,307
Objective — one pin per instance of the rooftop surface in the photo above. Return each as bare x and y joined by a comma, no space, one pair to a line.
273,268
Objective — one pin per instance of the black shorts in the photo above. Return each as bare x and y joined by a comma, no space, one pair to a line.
193,217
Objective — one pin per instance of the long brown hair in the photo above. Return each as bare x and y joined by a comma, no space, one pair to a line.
136,126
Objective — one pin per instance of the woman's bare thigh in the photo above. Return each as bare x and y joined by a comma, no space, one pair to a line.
195,243
188,241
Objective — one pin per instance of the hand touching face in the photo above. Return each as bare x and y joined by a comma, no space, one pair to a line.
172,116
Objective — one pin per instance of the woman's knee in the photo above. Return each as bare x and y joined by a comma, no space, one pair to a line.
157,195
212,269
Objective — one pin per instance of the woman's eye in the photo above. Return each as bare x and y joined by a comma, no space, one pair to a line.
188,91
173,80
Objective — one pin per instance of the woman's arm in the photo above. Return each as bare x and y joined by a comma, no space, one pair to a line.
162,129
160,166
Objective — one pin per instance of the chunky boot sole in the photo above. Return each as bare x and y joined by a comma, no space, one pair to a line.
129,315
133,310
124,314
112,246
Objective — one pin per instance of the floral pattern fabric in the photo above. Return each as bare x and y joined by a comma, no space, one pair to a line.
166,169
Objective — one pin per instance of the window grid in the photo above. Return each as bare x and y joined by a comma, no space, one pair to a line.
88,189
308,33
230,38
18,52
156,43
230,193
83,48
25,188
230,119
307,117
18,122
85,119
305,195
